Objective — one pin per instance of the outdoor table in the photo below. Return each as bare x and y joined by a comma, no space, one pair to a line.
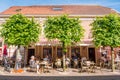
42,65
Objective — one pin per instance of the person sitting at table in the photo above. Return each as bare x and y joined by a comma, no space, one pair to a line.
37,65
104,59
46,58
83,59
50,58
58,63
32,62
75,61
67,60
74,57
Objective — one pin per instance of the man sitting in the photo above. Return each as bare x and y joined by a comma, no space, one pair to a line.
75,61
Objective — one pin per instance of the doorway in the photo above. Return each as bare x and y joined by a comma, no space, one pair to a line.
91,53
31,52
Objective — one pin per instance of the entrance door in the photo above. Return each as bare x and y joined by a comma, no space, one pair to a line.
31,52
91,53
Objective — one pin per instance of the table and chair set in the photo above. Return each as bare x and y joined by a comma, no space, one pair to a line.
83,66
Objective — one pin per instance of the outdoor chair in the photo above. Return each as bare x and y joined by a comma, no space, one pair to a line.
98,66
48,67
58,63
67,62
75,63
87,66
43,66
83,67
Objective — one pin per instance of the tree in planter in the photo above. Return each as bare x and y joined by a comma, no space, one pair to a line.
19,30
106,32
66,30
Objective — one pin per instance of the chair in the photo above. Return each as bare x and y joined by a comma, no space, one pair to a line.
43,66
84,67
75,63
67,62
48,67
89,66
58,63
98,66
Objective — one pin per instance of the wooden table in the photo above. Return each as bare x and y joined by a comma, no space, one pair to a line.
42,65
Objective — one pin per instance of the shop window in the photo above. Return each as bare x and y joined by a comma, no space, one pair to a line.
59,52
47,52
75,51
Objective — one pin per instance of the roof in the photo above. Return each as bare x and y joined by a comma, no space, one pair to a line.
59,9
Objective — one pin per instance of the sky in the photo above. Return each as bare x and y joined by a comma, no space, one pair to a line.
5,4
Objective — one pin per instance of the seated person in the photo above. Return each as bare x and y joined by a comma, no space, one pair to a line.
32,62
37,65
83,59
103,59
58,63
74,57
18,64
117,58
6,64
67,61
75,61
46,58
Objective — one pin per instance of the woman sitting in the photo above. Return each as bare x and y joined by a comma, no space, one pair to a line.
34,65
32,62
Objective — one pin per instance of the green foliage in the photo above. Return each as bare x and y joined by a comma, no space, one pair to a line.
106,31
63,28
19,30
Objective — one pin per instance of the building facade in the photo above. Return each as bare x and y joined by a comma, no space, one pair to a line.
86,13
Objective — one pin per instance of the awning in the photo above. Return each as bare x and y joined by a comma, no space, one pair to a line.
45,41
86,42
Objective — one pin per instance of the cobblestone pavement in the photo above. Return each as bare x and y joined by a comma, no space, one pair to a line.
71,74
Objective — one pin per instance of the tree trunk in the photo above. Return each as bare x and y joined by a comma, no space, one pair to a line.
24,57
18,56
63,53
112,60
64,62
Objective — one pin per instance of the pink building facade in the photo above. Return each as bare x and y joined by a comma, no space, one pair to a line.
87,14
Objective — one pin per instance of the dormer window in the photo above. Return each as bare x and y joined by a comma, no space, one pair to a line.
57,9
18,10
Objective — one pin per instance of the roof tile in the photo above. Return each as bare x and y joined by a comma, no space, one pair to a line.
65,9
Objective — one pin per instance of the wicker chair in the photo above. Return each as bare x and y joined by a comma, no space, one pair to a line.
75,63
83,67
48,67
99,65
58,63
